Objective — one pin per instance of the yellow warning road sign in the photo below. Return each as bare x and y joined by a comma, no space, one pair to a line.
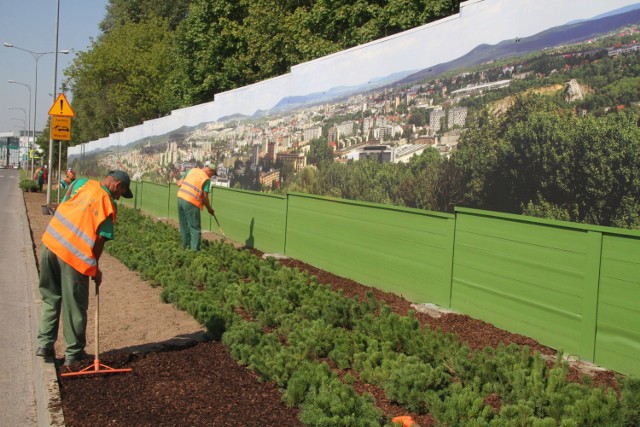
61,128
61,107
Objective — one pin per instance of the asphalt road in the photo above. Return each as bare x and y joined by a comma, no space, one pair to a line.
26,381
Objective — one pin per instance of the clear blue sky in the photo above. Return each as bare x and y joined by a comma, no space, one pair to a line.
31,25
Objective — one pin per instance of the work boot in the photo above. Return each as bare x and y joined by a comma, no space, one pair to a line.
70,360
44,352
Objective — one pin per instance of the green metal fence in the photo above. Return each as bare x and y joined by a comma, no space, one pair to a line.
569,286
618,317
256,220
405,251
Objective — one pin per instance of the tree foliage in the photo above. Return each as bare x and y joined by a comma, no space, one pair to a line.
121,12
121,81
538,158
552,163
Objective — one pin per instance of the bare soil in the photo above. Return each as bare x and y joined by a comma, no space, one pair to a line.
180,378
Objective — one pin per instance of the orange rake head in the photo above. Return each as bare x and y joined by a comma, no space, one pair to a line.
96,368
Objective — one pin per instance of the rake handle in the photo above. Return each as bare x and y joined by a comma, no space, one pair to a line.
97,322
96,367
219,227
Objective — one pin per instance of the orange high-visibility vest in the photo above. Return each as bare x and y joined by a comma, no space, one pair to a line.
35,173
191,187
73,230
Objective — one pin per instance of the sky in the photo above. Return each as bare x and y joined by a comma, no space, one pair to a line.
31,25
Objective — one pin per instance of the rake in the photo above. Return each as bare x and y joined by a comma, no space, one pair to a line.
96,367
224,237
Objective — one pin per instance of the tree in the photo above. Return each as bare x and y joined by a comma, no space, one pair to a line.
400,15
476,161
121,81
287,171
121,12
305,181
419,117
547,161
418,187
210,51
320,152
539,158
605,175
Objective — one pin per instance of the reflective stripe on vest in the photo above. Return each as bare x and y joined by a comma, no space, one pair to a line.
68,245
191,188
73,230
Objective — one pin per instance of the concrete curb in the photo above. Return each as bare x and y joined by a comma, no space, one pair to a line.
48,400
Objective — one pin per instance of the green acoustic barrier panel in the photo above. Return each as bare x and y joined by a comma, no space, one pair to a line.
403,251
154,199
618,323
137,196
254,219
569,286
522,276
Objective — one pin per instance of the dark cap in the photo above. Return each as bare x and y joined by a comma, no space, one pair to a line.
122,176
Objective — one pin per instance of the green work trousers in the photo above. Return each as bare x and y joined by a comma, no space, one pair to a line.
190,224
61,286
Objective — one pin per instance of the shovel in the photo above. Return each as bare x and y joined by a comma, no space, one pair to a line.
96,367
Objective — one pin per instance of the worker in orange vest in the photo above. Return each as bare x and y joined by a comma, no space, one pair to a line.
38,177
67,180
71,247
193,195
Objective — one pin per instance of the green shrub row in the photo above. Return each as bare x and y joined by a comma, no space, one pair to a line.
27,185
281,323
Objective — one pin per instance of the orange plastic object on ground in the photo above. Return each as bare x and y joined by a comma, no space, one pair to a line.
405,420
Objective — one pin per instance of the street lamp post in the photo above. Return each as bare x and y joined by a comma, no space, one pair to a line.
36,57
34,125
28,125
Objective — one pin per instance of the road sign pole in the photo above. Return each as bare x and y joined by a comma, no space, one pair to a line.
59,163
60,127
55,90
